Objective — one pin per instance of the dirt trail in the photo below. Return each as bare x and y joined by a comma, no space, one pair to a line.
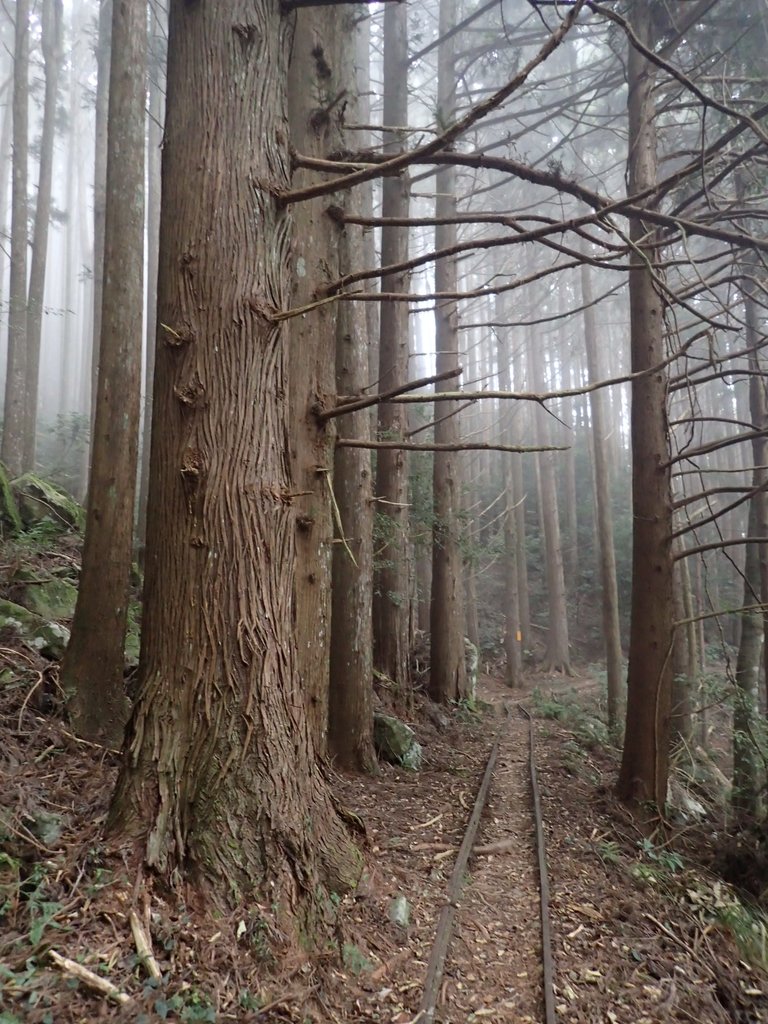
494,970
629,947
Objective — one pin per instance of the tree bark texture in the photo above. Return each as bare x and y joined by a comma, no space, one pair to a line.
746,781
5,166
220,782
683,681
350,699
645,759
52,29
569,377
745,702
512,629
70,347
603,512
103,57
558,655
92,671
156,73
470,601
16,370
391,596
447,674
365,192
316,119
521,502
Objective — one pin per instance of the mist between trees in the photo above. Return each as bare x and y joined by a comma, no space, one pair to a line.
364,323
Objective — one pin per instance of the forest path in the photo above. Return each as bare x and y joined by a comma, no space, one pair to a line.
494,968
631,945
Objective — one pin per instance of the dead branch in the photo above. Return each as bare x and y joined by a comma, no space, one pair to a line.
144,946
723,611
701,495
719,513
347,404
477,113
467,446
440,419
93,981
713,446
716,545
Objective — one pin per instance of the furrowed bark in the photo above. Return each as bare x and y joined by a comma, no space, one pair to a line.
220,783
645,759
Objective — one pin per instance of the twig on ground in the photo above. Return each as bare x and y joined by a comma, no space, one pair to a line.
93,981
28,697
144,946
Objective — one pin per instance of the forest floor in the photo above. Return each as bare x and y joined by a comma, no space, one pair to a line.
642,931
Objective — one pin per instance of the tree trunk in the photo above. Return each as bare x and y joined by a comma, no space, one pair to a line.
350,711
558,655
391,594
6,162
92,670
745,705
350,718
16,371
521,503
156,68
746,783
470,601
603,511
569,378
645,760
103,56
53,17
683,681
364,92
316,74
220,782
513,647
447,675
70,336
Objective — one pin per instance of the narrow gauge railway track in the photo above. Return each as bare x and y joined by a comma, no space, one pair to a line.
459,889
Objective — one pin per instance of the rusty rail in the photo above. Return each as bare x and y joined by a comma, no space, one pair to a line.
547,960
436,966
444,930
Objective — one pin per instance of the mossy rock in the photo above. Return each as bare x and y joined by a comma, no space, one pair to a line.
9,510
49,638
51,599
396,742
40,501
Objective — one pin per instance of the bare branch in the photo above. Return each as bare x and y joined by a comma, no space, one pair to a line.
349,404
717,545
477,113
465,446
